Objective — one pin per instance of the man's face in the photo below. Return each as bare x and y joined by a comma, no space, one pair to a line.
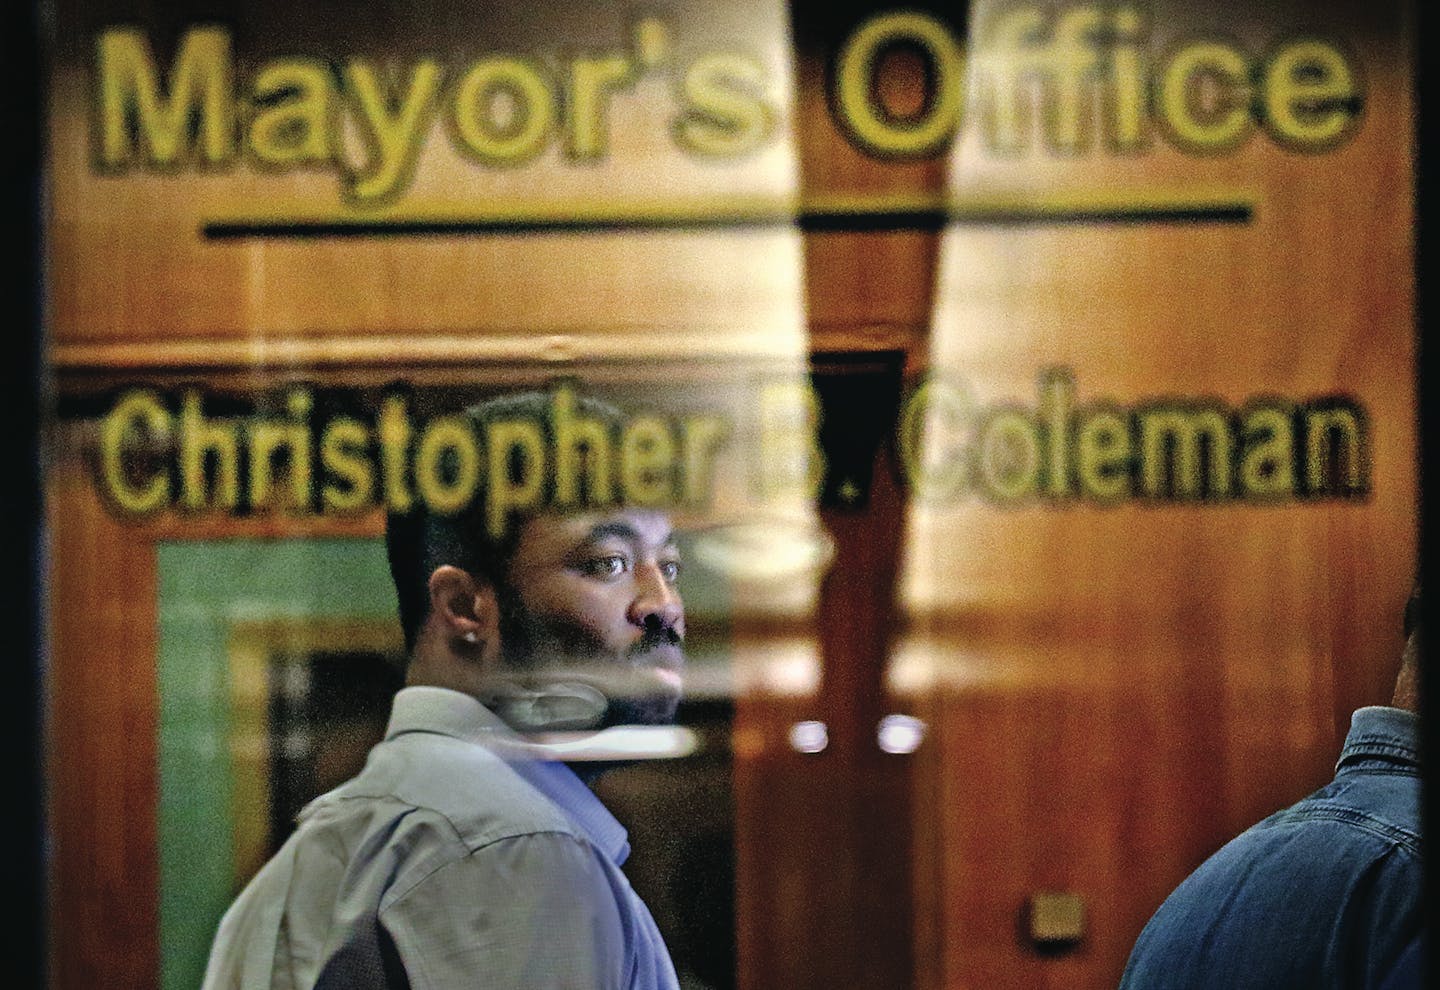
592,598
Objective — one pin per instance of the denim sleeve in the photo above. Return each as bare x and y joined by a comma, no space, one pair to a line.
1315,907
1387,917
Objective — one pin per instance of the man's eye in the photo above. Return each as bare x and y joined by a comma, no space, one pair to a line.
607,566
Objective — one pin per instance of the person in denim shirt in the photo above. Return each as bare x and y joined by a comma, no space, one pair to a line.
1325,893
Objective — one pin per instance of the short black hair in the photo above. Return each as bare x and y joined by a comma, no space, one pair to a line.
418,541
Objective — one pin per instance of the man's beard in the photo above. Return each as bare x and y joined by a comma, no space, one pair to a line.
542,653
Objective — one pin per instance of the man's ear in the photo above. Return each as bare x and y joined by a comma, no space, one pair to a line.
466,611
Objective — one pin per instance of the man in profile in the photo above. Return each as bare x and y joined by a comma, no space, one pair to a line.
1325,893
456,857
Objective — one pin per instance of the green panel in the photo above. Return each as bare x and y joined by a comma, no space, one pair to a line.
204,588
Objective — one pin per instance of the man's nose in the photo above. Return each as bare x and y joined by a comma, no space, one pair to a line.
656,601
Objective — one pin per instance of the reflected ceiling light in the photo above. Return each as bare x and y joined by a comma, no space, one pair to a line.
766,550
900,733
809,737
622,742
788,666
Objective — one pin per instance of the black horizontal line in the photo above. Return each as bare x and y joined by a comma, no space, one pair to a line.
807,221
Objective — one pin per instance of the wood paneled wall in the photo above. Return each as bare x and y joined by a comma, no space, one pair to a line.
1110,693
102,743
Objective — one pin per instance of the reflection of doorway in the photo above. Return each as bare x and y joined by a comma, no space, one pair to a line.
308,700
326,711
225,607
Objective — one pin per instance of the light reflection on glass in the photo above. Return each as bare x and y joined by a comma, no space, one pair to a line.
809,737
900,734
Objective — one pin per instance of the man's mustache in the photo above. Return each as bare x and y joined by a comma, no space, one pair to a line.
656,637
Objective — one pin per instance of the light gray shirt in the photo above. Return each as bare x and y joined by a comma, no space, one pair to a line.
451,860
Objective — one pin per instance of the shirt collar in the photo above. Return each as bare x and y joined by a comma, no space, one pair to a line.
450,713
1383,732
458,715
